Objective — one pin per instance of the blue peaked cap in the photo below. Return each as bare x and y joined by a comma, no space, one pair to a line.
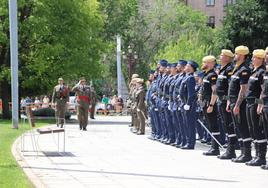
182,62
174,65
193,64
163,63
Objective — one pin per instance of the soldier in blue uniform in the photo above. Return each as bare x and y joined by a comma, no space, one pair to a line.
199,111
151,104
253,119
208,99
236,103
168,89
177,106
222,84
160,81
164,104
188,96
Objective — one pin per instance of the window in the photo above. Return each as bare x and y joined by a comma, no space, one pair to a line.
228,2
211,21
210,2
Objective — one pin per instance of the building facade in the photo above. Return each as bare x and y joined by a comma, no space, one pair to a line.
214,9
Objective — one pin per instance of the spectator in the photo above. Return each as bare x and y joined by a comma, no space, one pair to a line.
37,103
113,102
45,102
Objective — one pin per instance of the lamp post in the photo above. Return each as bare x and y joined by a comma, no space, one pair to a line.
13,28
132,59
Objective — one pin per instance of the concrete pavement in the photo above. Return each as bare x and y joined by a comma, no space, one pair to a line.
108,155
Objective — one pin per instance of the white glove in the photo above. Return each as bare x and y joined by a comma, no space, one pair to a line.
186,107
138,110
169,107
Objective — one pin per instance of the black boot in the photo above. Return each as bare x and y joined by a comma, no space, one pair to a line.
256,155
261,157
246,157
241,155
214,150
229,153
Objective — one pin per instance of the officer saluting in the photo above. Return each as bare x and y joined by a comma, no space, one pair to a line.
252,97
83,95
236,103
208,98
60,98
224,77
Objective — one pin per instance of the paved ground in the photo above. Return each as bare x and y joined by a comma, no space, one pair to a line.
109,156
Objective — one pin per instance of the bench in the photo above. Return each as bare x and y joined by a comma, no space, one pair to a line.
35,133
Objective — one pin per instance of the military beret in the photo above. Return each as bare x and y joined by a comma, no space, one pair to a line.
182,62
228,53
174,65
209,58
139,80
134,76
193,64
82,79
266,50
242,50
259,53
60,79
163,63
199,74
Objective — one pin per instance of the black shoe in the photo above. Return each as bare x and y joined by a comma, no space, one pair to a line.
203,141
133,130
140,133
84,129
264,167
212,152
187,147
61,126
92,118
229,153
151,138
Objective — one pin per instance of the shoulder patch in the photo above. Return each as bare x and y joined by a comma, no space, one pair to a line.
230,73
244,73
214,78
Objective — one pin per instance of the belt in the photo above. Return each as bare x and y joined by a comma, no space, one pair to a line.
251,100
223,98
84,98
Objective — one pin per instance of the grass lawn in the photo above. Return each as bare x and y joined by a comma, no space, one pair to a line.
11,175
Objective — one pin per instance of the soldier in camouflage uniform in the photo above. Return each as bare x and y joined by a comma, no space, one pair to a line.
83,94
140,106
60,98
132,98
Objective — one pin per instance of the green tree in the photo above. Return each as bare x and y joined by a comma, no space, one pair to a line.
56,38
246,23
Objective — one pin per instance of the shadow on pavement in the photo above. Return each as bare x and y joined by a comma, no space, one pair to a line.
138,175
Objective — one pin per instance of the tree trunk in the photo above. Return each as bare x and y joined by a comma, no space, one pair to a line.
5,95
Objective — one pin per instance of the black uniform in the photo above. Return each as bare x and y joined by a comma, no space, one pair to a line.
265,109
240,77
209,80
254,123
222,85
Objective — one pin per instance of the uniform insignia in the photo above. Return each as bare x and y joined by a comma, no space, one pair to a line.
244,73
230,73
213,78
